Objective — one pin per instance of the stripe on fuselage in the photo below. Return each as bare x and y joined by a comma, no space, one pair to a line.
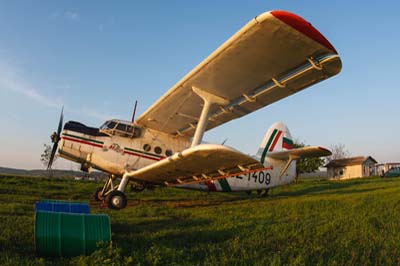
224,185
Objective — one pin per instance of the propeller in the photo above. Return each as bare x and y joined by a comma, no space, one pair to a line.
55,138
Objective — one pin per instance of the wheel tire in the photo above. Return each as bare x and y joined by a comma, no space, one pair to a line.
116,200
98,195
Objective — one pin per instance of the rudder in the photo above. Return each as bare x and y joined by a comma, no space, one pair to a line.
277,138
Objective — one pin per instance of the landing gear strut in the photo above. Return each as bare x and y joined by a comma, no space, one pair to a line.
113,196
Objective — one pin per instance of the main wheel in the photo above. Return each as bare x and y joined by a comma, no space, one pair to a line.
98,195
116,200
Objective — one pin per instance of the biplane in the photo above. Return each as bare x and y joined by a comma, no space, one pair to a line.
273,56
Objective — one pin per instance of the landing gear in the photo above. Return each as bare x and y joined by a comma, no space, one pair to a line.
113,196
116,200
98,194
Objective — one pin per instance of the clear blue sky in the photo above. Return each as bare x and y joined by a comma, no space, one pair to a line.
97,57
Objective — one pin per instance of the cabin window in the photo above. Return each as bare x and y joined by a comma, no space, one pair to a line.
146,147
168,153
158,150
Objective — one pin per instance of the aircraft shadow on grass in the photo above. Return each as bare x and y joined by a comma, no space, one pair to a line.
193,203
192,233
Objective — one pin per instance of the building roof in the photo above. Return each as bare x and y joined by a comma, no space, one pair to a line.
349,161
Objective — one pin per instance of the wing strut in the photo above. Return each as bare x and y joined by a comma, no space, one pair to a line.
209,99
289,161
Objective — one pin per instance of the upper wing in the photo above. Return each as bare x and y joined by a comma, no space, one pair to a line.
305,152
202,162
275,55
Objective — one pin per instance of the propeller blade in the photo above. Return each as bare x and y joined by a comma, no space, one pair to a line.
56,139
53,153
60,123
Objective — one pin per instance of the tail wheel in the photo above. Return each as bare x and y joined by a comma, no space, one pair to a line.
98,194
116,200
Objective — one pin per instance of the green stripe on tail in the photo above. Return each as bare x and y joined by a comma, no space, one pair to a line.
268,145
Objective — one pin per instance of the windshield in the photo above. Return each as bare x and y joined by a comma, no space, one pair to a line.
108,125
121,128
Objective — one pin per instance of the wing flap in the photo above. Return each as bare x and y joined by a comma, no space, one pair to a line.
305,152
199,163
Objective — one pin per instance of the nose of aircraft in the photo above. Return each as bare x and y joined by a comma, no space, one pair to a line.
55,138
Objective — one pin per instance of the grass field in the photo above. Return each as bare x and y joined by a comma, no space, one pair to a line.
314,222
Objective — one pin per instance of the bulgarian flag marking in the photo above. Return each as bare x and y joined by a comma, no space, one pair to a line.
287,143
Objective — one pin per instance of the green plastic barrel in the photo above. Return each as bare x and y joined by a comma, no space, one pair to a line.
70,234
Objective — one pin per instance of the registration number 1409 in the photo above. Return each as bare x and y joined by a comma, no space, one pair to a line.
258,177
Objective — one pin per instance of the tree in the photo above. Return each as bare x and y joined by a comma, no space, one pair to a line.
307,165
339,151
45,156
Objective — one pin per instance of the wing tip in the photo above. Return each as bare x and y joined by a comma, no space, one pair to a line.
328,152
301,25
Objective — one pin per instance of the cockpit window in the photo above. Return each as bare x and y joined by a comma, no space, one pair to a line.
111,125
121,127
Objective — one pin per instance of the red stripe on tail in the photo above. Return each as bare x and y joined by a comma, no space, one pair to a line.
275,140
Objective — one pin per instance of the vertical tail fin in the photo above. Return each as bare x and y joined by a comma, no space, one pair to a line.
278,138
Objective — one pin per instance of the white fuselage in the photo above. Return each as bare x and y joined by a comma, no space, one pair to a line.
117,155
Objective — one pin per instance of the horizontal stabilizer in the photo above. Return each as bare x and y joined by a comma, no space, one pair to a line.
305,152
200,163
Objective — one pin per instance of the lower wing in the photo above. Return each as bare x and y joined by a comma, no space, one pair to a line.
197,164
